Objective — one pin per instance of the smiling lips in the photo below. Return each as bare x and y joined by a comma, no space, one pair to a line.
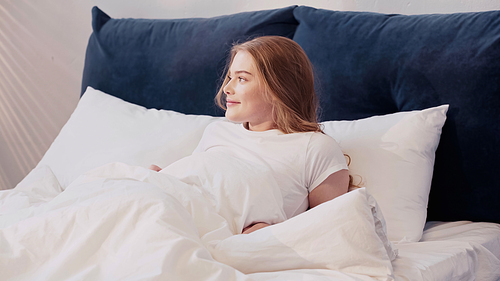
231,102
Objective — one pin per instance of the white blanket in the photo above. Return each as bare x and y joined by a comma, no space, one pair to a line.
121,222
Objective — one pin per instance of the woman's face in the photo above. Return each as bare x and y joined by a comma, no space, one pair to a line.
245,95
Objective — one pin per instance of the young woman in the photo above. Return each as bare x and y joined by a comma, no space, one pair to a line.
268,93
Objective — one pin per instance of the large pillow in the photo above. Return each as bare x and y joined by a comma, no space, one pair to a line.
173,64
373,64
105,129
345,234
393,156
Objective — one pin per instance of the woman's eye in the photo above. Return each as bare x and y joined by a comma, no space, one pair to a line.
240,79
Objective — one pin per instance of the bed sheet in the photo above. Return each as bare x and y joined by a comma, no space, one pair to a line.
460,250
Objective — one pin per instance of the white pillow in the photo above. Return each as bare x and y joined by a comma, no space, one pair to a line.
345,234
394,156
105,129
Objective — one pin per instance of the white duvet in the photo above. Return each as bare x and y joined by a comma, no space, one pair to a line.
121,222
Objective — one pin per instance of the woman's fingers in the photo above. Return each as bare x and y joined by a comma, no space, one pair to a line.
254,227
154,168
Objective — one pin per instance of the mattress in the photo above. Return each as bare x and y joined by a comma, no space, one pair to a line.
451,251
455,251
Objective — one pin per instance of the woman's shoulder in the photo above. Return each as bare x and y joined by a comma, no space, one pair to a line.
221,128
213,133
221,124
322,139
323,145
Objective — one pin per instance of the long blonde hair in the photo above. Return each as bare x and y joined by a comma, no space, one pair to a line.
288,78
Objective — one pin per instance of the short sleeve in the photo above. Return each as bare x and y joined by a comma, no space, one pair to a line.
323,158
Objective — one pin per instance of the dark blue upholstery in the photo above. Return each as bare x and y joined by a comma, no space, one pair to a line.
174,64
366,64
369,64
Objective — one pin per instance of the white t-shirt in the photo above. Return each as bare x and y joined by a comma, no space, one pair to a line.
299,161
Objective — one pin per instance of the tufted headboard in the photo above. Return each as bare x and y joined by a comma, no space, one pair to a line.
366,64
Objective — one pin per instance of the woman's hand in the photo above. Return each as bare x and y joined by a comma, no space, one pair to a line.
154,168
253,227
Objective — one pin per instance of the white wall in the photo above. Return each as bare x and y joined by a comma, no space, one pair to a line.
42,49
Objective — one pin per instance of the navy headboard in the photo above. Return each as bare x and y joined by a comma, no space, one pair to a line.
371,64
366,64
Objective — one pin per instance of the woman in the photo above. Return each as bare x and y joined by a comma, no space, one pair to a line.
269,93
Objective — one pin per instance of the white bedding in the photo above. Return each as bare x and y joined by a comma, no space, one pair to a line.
121,222
448,251
451,251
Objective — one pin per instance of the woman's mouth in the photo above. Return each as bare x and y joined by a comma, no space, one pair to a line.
231,103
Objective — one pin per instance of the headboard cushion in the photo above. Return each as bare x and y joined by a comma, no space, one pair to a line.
171,64
371,64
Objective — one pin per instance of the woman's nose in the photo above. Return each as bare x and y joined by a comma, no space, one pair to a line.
228,89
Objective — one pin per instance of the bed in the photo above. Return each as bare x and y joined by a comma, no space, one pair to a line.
413,100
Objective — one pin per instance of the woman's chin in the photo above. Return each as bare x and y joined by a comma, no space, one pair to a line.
232,118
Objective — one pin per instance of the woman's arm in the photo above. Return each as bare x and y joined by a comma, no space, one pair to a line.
335,185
